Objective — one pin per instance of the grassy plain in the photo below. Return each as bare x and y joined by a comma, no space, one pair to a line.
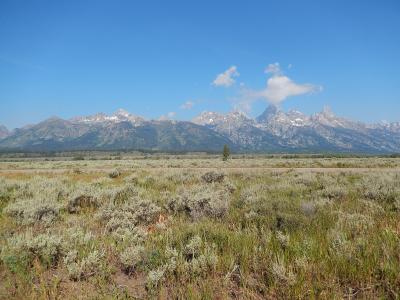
200,228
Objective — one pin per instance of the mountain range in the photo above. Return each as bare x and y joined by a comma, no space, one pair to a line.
273,131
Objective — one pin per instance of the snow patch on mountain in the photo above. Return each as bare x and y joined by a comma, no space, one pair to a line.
120,115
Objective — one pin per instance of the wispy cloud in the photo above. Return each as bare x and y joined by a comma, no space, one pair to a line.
226,78
187,105
274,68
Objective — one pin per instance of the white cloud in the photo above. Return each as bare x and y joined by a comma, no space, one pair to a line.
278,88
226,79
187,105
273,68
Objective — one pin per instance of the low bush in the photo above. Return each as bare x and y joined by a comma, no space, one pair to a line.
130,214
81,269
295,234
200,201
114,174
34,210
21,250
131,258
82,202
212,176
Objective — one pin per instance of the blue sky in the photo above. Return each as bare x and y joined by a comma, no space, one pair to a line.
70,58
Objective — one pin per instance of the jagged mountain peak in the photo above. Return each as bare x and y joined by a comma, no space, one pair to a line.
275,118
327,110
276,130
237,115
294,112
120,115
268,114
233,118
122,112
328,118
327,113
208,118
236,119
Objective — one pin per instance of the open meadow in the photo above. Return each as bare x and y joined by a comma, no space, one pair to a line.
196,227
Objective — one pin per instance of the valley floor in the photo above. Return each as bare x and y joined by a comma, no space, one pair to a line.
200,228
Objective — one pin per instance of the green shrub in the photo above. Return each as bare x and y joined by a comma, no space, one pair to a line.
201,201
130,214
22,249
154,279
84,268
131,258
34,210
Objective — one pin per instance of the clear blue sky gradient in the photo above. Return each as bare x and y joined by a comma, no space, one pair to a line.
70,58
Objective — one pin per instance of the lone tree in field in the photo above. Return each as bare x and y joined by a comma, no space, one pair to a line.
226,153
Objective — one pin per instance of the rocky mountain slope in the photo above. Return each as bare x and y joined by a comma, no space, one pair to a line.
273,131
116,132
295,131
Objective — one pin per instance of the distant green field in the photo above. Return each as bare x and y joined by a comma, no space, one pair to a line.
195,227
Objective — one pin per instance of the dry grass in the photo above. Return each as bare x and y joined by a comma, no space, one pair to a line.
185,233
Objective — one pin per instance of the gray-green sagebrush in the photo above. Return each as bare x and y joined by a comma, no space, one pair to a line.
181,234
